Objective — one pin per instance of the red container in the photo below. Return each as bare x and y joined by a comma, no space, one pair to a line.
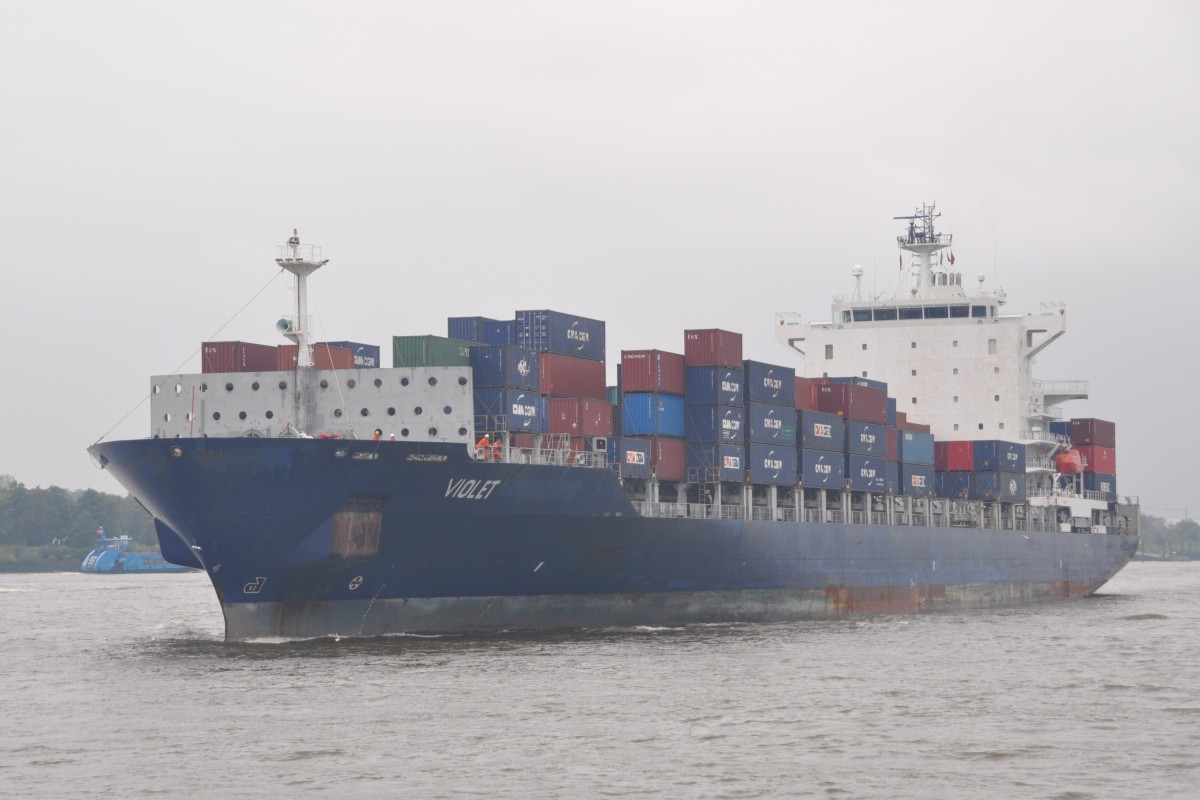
577,416
862,403
901,421
954,456
712,347
567,376
652,371
1098,459
237,357
668,458
324,357
889,440
1099,432
806,394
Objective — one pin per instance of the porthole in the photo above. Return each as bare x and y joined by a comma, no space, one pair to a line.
324,384
156,389
447,410
178,389
404,381
337,412
229,387
378,383
350,384
270,415
190,416
404,431
216,415
432,381
391,412
204,387
462,380
283,384
462,431
365,413
167,417
417,411
241,415
254,386
432,432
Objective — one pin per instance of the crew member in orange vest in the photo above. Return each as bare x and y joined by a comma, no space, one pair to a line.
481,447
497,448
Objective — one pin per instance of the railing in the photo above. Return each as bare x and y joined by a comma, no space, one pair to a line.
1053,412
1061,387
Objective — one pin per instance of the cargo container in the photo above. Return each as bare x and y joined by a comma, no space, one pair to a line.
917,480
556,332
770,424
613,393
652,371
769,383
1098,459
617,420
430,351
1061,428
917,427
816,430
1099,432
652,415
505,365
714,386
866,473
712,347
366,356
954,456
993,455
324,357
806,394
822,469
891,478
577,416
954,485
771,464
238,357
518,410
866,438
901,419
630,457
914,447
714,424
668,459
890,436
708,462
1105,485
567,376
997,487
863,403
480,329
891,412
870,384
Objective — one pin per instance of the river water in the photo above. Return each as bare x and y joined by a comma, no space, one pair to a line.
120,686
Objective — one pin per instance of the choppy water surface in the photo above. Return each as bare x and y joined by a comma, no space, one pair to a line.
121,686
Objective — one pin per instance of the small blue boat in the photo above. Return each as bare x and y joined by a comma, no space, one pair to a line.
112,554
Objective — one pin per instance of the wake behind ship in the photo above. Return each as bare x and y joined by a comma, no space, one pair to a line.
503,486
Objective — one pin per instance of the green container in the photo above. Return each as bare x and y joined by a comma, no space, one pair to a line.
430,351
614,394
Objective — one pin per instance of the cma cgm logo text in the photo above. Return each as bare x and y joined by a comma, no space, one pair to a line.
1012,457
470,489
774,384
823,469
772,463
867,472
732,387
577,335
635,457
522,410
732,462
822,429
867,438
728,424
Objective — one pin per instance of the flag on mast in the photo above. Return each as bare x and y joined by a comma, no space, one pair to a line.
952,258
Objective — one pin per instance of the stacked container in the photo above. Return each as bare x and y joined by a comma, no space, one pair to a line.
1096,441
365,356
770,429
652,411
480,329
507,380
915,455
990,470
430,351
238,357
324,357
715,420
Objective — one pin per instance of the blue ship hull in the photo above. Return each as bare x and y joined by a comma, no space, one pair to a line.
305,538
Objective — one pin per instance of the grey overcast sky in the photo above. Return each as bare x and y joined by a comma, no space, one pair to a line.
658,165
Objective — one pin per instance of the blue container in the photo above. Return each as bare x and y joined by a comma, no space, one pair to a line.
555,332
520,410
866,438
714,424
768,383
480,329
891,412
914,447
993,455
918,480
505,365
714,386
772,464
770,424
366,356
1106,485
822,469
1062,428
866,473
993,486
861,382
891,478
817,430
954,485
725,462
630,458
649,414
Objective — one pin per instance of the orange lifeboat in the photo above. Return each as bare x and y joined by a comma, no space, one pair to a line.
1068,462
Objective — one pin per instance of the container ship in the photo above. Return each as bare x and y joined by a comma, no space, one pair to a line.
902,459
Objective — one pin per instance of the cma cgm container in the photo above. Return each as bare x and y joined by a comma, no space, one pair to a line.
630,457
768,383
652,415
238,357
817,430
771,464
1093,431
866,438
1106,485
1002,487
955,485
714,386
577,416
866,473
518,410
713,424
430,351
480,329
505,365
851,401
917,480
712,347
770,424
954,456
822,469
914,447
555,332
324,357
366,356
567,376
652,371
1098,459
707,461
991,455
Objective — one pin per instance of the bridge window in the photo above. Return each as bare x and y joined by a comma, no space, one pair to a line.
936,312
957,312
885,314
845,316
979,311
862,315
910,313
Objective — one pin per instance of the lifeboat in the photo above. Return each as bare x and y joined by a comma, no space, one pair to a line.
1068,462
